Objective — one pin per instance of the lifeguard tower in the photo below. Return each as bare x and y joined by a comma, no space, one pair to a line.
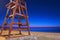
16,9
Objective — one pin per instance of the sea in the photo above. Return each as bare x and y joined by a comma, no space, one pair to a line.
42,29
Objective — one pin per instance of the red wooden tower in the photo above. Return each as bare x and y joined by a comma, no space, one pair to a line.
16,9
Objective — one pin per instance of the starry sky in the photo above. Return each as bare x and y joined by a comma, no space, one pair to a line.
41,12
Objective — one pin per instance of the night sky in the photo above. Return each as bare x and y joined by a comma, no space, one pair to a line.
41,12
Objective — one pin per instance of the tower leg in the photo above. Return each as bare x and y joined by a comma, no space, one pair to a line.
19,20
10,30
28,30
19,26
27,19
14,10
19,29
2,30
4,21
28,26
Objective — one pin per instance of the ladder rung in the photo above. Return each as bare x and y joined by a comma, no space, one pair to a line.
16,29
6,29
17,23
20,14
7,25
20,29
23,25
23,16
23,29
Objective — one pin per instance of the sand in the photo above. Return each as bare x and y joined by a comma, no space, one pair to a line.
39,35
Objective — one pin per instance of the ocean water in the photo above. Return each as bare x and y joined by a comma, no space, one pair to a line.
41,29
46,29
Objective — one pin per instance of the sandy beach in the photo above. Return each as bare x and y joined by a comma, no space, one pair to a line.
39,35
